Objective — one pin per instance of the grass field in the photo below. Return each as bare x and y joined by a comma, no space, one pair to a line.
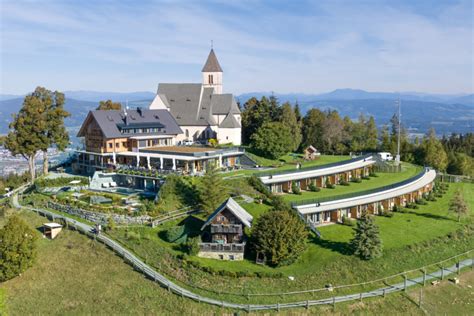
74,275
410,240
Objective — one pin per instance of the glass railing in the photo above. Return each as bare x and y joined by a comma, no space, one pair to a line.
303,169
360,193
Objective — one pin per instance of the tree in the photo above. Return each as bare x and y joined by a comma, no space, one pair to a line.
254,115
313,128
281,236
366,242
371,135
385,139
17,248
458,205
288,118
272,140
54,116
109,105
433,152
298,112
332,132
27,135
212,190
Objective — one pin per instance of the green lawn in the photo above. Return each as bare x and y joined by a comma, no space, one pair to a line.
408,171
410,240
74,275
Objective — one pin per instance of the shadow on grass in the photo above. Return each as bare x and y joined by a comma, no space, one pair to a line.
192,228
431,216
336,246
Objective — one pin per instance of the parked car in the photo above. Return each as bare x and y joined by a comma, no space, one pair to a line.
188,142
385,156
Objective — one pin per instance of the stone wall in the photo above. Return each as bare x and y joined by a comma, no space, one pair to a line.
100,218
221,255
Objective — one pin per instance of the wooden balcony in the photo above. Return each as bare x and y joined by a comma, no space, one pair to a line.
226,229
215,247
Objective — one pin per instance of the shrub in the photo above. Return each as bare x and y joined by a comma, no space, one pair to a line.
396,208
312,187
344,183
331,186
365,177
192,245
258,185
133,236
174,233
295,189
17,248
356,180
348,221
62,181
373,174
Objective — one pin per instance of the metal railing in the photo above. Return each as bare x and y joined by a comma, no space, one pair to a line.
226,229
303,169
360,193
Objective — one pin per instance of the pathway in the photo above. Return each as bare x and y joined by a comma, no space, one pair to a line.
172,287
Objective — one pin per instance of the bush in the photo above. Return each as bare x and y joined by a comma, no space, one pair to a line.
174,233
348,221
330,186
356,180
17,248
373,174
396,208
60,182
344,183
313,188
258,185
192,245
133,236
295,189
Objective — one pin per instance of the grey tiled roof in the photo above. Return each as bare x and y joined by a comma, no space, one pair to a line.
110,120
192,104
212,64
230,122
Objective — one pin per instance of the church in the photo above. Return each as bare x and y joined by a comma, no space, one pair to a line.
202,110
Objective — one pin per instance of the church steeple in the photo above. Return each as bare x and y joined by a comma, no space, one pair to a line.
212,73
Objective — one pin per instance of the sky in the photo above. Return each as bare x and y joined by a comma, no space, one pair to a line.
281,46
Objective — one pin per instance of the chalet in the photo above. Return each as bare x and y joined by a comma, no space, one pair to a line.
223,232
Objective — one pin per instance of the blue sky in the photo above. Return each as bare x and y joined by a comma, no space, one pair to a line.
281,46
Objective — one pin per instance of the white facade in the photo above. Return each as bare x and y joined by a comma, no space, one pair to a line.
229,135
213,80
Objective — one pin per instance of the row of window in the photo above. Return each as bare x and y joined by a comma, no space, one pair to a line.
140,130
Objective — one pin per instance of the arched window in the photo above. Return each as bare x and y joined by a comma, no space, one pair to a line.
211,79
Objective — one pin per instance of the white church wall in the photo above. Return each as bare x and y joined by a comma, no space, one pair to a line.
230,135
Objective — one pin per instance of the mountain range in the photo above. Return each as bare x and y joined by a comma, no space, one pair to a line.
420,111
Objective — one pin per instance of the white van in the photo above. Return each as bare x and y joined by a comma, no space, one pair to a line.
385,156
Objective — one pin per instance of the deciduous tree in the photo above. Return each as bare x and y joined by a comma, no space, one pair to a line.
281,236
109,105
272,140
458,205
433,152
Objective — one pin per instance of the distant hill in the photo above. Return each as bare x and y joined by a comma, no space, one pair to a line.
95,96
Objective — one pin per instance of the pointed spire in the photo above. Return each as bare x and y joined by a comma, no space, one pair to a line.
212,64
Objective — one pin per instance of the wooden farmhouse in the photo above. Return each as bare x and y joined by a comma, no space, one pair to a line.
223,232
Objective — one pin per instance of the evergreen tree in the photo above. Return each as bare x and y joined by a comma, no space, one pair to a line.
27,136
281,236
272,140
366,242
298,112
313,129
385,139
433,151
254,115
212,190
17,248
371,135
109,105
289,119
54,116
458,205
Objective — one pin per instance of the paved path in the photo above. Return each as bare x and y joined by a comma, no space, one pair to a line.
172,287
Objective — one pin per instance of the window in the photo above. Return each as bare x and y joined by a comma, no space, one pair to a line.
187,133
117,145
231,257
124,144
221,257
111,145
211,79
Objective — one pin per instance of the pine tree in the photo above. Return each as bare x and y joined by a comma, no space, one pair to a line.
371,135
212,190
17,248
289,119
366,242
385,139
458,205
434,153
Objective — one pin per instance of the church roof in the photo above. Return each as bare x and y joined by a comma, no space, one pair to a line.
212,64
230,122
192,104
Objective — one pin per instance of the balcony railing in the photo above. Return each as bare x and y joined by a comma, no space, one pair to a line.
226,229
215,247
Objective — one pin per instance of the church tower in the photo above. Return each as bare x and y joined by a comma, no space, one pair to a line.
212,73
